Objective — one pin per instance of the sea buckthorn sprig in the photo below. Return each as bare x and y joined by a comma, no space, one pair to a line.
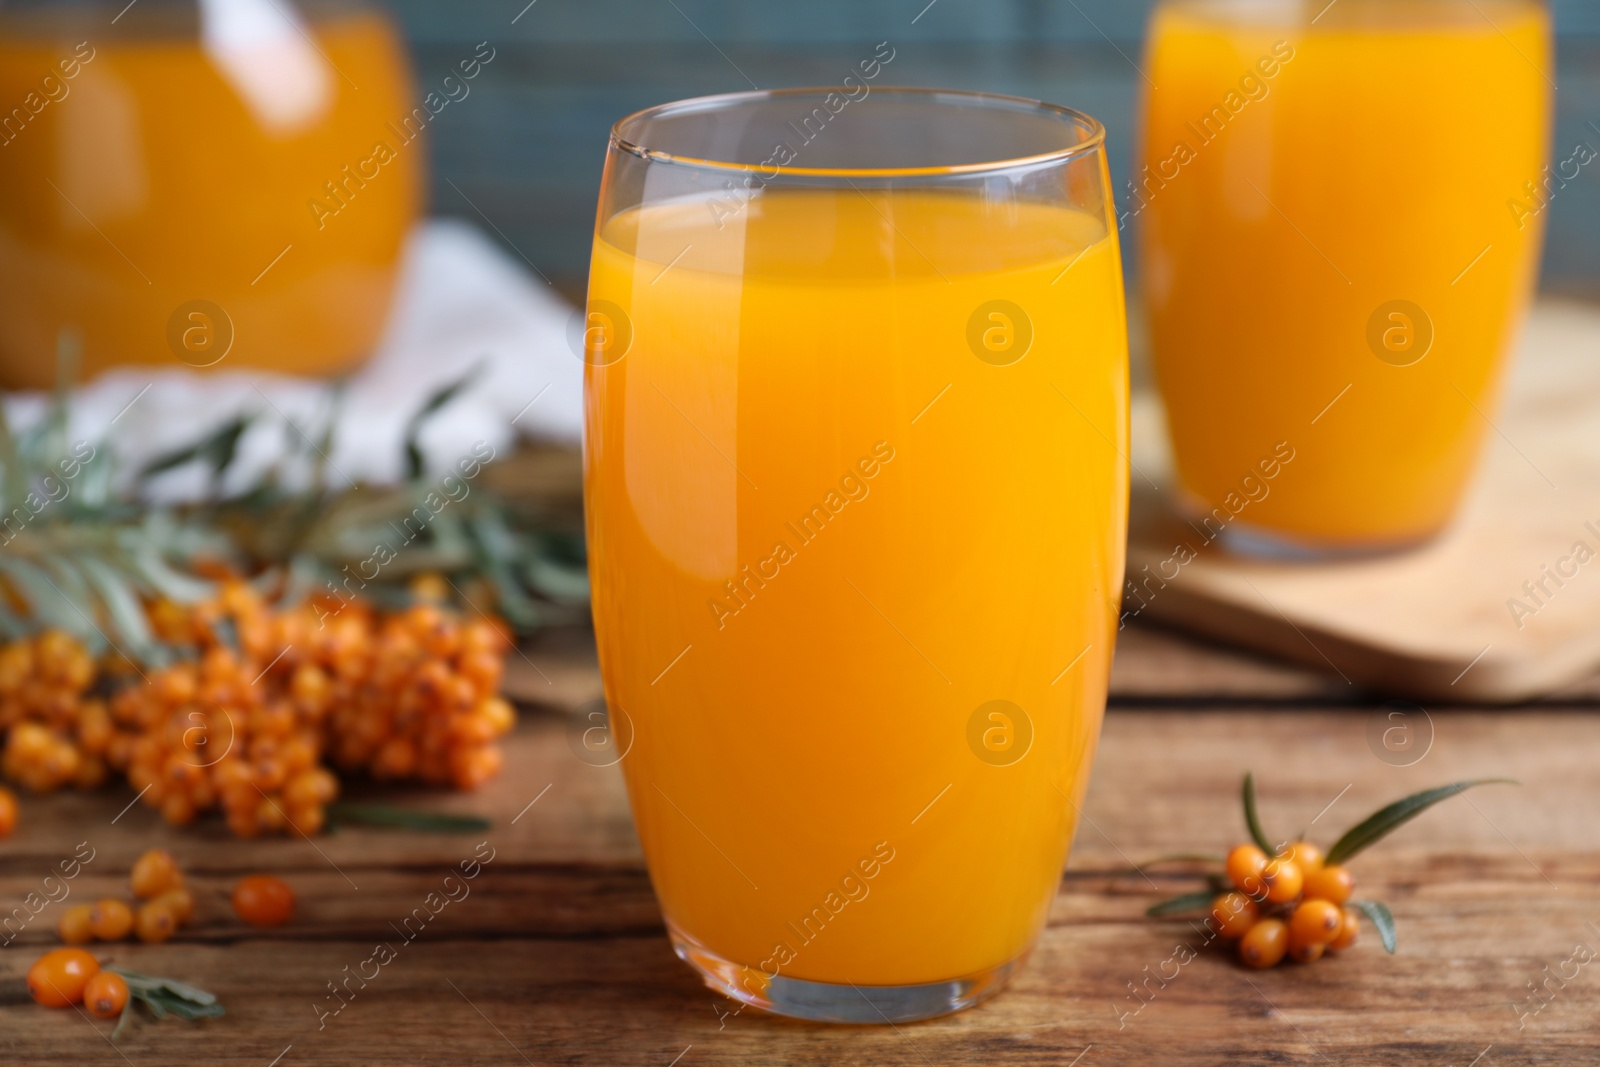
68,977
262,700
1292,900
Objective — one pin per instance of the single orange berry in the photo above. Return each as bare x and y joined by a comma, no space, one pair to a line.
1244,866
1315,922
179,900
74,927
110,920
1306,856
57,978
1348,931
154,923
1306,951
262,900
1232,914
8,811
1330,883
1264,943
154,873
1283,880
105,995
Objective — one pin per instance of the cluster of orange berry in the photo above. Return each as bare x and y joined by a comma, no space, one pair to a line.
64,977
1290,904
423,698
243,727
246,723
167,905
55,731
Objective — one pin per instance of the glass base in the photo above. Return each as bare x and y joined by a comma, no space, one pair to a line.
1243,539
826,1002
1247,539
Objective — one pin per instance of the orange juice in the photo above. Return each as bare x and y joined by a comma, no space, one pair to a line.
1341,227
857,543
167,177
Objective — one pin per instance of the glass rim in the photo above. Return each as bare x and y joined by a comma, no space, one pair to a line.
1092,130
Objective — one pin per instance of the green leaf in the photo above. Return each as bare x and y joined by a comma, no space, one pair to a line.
1252,818
217,450
1177,905
46,604
440,397
387,815
1380,823
1379,915
125,614
168,996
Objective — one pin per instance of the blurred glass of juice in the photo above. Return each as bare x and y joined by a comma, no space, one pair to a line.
216,183
1341,208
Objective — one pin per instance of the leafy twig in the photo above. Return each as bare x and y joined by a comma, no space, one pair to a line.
1385,820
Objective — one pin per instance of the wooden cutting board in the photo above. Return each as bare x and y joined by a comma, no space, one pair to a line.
1438,623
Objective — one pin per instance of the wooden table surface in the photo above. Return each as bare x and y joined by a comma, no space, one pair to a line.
558,953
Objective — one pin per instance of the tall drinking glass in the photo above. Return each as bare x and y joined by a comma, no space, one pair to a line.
1341,207
856,393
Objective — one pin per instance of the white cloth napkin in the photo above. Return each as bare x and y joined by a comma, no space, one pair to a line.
461,301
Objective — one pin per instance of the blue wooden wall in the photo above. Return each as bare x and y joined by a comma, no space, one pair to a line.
526,147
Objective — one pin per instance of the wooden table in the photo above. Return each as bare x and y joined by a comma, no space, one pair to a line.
558,953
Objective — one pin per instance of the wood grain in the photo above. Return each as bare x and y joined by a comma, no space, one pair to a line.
1438,622
558,954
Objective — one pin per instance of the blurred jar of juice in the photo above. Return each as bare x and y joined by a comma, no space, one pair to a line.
1341,208
218,182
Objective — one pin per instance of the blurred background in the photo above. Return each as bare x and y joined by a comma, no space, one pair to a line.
527,148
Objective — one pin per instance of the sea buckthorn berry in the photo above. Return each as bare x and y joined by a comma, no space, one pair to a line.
110,920
57,978
179,901
1232,914
1244,866
8,812
1283,880
1330,883
105,995
1264,944
154,872
1315,922
154,923
499,713
1306,951
262,900
74,927
1306,856
1348,931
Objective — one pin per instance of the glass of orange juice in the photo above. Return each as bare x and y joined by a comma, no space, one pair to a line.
856,412
210,183
1342,206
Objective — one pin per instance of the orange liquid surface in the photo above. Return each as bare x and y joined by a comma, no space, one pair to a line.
825,535
1302,178
146,181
